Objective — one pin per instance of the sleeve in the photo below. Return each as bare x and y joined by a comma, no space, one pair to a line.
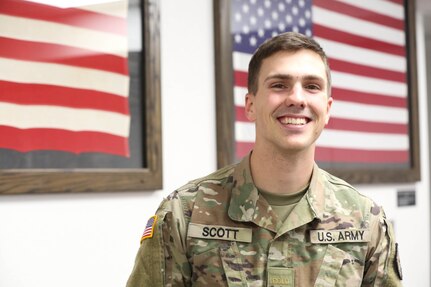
382,267
161,259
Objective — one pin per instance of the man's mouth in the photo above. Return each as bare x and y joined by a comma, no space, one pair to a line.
293,121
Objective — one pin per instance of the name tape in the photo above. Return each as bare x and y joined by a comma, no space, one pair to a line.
340,236
219,232
281,276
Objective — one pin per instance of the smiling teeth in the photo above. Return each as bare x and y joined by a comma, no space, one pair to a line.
293,121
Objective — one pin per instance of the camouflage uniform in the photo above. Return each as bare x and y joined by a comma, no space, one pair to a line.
218,231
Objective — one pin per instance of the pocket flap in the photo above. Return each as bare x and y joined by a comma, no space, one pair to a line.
330,268
233,265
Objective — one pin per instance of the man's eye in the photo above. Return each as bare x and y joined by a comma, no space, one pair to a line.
278,86
313,87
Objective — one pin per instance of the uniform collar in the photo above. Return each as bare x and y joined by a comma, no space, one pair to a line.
310,207
246,205
317,194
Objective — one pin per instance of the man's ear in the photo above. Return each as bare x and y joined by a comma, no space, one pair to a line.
250,112
328,109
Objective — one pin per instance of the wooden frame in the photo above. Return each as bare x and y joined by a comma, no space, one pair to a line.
225,103
17,181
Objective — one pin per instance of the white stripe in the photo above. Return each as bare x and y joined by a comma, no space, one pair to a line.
240,61
371,113
54,33
117,8
62,75
378,6
356,26
363,141
72,4
343,52
239,96
349,82
35,116
362,56
368,85
245,132
350,110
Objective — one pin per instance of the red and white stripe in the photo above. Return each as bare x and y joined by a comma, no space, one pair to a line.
64,80
369,117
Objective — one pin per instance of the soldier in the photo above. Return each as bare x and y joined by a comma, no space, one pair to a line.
275,218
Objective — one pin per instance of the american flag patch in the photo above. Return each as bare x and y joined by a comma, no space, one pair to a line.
149,228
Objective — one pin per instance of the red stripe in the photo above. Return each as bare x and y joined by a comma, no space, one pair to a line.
37,94
401,2
363,126
242,149
347,95
367,98
341,155
69,16
357,41
240,79
60,54
361,156
366,71
346,124
367,15
25,140
240,114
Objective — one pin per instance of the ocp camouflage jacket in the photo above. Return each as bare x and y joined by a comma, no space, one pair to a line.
218,231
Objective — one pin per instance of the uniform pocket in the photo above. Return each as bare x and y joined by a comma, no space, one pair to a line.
233,265
339,268
220,265
207,267
330,268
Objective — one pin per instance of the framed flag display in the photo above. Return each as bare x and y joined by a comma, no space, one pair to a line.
373,133
79,96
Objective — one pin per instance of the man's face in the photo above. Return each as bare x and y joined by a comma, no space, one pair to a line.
291,106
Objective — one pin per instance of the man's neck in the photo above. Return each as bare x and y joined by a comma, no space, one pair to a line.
281,173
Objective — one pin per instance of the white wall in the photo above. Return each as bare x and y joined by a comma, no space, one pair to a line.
412,224
84,240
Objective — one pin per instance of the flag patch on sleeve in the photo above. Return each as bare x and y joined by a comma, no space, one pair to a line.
149,228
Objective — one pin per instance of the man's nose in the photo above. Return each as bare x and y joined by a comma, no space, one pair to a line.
296,96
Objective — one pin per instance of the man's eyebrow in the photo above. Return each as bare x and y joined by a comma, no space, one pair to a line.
290,77
313,78
278,77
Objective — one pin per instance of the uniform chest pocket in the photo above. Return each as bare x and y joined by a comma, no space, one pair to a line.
339,268
233,265
221,264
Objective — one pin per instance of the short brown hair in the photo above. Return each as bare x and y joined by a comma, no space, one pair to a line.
289,41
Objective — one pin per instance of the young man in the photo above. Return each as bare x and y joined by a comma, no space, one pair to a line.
274,219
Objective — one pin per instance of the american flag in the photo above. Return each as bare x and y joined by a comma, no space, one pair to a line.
64,80
366,45
149,228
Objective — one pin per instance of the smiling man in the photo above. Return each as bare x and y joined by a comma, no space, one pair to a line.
275,218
